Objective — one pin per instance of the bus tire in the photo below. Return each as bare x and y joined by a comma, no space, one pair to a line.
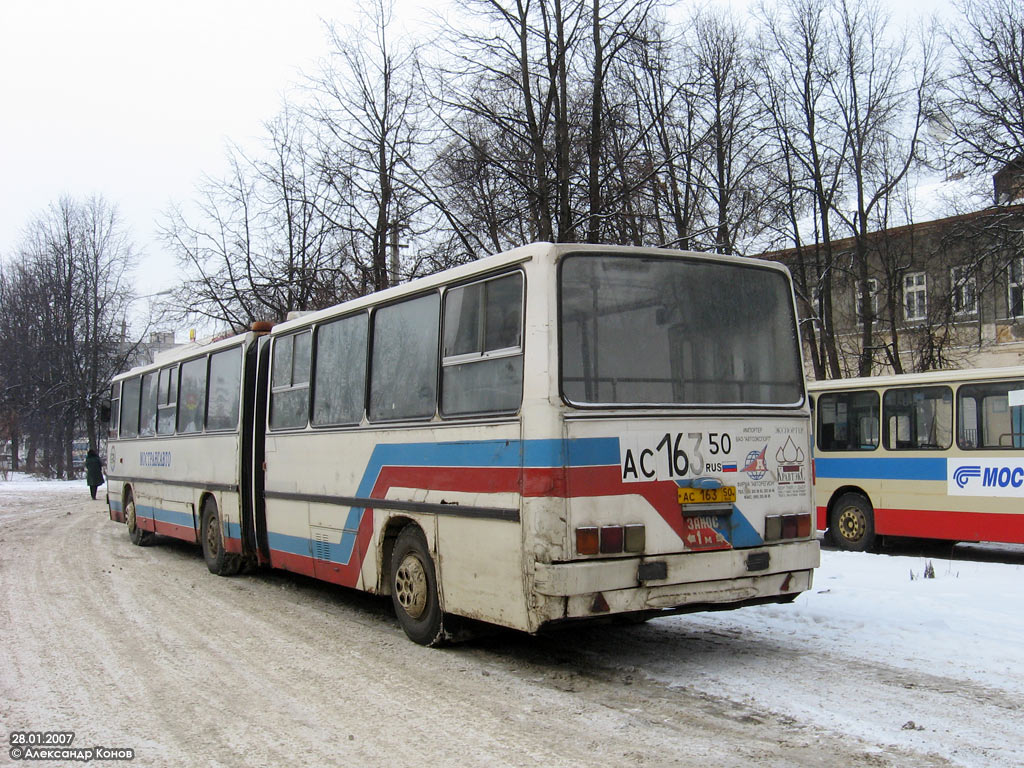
217,560
414,588
852,523
139,537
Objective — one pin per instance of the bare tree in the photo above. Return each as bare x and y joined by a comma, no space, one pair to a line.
367,109
63,307
802,120
983,100
847,104
256,245
882,119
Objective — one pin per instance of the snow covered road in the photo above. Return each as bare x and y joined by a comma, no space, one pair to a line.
142,648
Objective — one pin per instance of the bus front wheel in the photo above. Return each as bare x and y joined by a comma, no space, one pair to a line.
139,537
217,560
414,589
852,523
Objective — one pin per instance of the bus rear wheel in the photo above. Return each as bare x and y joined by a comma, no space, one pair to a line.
139,537
852,523
217,559
414,589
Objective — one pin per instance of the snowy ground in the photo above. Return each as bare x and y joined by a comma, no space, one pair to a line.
957,639
875,666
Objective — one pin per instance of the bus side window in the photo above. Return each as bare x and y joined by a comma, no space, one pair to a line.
989,415
848,421
192,396
147,415
225,389
403,371
131,389
483,355
918,418
167,401
115,409
289,394
339,382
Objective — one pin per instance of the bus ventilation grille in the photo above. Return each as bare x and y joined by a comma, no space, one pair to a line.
321,546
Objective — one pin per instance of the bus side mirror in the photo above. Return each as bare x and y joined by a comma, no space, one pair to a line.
105,412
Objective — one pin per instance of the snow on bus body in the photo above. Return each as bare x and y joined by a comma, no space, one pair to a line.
503,501
168,477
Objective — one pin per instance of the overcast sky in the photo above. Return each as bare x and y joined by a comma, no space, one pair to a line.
135,100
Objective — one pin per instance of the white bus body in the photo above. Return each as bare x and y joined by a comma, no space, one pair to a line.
560,432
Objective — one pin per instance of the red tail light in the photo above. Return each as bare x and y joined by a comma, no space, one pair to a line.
611,539
781,527
587,541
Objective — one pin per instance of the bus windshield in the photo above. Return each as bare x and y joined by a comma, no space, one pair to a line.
670,331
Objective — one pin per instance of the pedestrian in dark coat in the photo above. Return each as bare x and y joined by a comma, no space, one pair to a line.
93,471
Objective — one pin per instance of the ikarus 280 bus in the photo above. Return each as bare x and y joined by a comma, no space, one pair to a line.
557,433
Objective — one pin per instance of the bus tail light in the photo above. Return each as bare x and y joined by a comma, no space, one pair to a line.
587,541
610,539
781,527
636,538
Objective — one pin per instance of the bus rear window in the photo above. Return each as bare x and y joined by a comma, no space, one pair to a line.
661,331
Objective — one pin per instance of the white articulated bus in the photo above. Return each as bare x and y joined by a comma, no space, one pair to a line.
559,432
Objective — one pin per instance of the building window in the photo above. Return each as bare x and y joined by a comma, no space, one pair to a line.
1015,278
915,296
873,299
964,291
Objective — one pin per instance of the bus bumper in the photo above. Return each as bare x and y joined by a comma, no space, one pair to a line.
692,581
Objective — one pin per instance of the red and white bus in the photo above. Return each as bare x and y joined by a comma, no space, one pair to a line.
936,455
559,432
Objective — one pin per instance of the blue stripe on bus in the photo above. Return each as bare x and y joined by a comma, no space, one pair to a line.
584,452
895,468
159,514
743,533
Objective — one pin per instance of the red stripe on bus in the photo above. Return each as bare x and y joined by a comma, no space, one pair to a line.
543,482
946,524
943,524
556,482
185,533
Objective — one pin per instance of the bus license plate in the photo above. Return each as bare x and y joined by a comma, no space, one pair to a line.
724,495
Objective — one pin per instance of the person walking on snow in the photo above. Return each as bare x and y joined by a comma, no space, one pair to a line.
93,471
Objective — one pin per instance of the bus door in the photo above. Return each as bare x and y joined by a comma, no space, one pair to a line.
257,461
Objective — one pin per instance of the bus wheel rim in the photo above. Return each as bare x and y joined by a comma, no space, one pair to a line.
411,586
852,524
211,536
